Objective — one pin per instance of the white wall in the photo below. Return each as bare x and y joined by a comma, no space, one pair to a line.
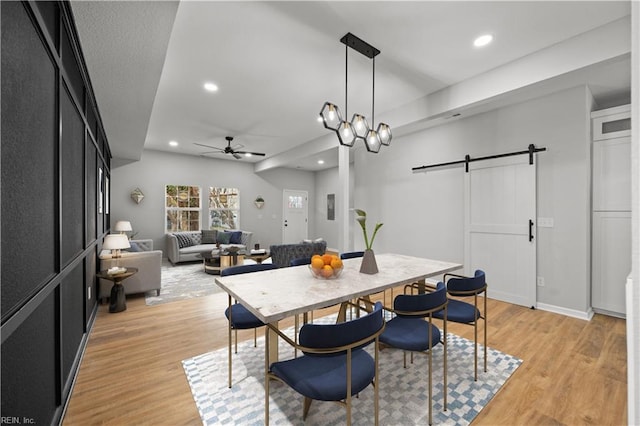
423,212
157,169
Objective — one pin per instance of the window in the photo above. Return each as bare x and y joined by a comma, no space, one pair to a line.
224,208
182,207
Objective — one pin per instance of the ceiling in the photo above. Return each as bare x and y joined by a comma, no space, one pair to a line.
276,63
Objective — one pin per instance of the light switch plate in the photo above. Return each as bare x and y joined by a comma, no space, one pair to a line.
545,222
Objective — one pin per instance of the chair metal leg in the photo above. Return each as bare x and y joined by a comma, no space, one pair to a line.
229,345
306,406
444,343
475,351
485,331
266,376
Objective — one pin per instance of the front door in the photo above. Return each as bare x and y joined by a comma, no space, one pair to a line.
295,216
500,210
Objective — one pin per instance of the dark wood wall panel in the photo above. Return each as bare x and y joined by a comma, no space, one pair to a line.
51,229
72,179
29,160
70,66
29,366
92,190
72,314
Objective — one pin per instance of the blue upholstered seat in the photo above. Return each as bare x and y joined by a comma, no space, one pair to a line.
409,331
238,317
328,349
468,313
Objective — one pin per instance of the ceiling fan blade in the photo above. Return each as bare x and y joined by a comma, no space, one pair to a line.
252,153
209,146
236,155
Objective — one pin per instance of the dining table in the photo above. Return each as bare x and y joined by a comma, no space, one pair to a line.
275,294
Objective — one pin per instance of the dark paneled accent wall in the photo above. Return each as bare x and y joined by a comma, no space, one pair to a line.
53,149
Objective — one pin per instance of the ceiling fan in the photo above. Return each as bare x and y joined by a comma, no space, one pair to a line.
229,150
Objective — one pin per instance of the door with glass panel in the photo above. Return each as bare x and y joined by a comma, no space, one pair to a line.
295,216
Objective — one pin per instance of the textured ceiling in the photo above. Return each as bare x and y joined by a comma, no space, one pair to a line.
276,63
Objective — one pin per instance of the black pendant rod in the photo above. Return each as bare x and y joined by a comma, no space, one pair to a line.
373,94
346,81
530,151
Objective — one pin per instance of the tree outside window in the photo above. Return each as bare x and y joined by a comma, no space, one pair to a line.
224,208
182,207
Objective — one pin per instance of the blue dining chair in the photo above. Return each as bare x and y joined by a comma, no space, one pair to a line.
300,261
331,354
409,331
239,317
351,254
467,313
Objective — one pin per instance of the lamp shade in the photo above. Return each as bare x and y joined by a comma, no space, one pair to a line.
123,226
115,242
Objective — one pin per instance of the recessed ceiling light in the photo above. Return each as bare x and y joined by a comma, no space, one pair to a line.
211,87
173,143
320,161
483,40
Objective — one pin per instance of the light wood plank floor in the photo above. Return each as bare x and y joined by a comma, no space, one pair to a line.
574,371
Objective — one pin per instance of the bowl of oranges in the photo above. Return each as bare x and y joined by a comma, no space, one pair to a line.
326,266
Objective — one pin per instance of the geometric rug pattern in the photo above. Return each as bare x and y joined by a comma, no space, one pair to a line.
403,392
183,281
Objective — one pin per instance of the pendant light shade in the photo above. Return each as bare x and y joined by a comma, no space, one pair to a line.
359,128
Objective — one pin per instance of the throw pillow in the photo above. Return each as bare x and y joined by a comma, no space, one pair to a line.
236,237
134,247
224,237
209,236
184,240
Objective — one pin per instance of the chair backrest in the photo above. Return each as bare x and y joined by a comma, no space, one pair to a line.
243,269
467,286
282,254
344,334
421,305
300,261
351,254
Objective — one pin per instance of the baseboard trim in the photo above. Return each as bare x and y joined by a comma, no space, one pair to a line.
587,315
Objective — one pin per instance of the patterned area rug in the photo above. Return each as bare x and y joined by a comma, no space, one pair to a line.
183,281
403,392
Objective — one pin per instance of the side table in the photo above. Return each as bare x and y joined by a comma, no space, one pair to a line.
117,300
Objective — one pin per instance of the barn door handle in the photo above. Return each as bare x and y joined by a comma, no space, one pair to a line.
530,230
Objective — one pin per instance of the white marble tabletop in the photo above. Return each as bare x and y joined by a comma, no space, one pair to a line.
280,293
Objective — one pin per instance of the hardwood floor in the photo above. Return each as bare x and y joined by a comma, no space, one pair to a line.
574,371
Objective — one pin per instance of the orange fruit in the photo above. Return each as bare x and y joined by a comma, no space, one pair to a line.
316,256
336,263
327,258
326,271
317,262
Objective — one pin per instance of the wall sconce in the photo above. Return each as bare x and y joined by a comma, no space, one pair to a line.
137,195
259,202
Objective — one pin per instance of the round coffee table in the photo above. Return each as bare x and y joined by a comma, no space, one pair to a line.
214,263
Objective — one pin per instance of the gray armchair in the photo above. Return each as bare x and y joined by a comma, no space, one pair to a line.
148,277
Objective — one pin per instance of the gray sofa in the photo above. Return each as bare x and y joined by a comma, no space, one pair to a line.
148,262
187,246
283,254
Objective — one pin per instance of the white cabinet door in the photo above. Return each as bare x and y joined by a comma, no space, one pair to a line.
612,175
611,260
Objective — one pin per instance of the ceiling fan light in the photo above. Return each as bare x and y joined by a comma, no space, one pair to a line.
346,135
331,116
360,125
372,141
384,131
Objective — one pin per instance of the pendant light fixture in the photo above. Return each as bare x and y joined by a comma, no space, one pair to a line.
349,132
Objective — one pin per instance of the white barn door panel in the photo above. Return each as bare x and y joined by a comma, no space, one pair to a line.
500,210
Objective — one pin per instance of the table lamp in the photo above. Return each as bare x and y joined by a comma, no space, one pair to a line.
115,242
123,226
